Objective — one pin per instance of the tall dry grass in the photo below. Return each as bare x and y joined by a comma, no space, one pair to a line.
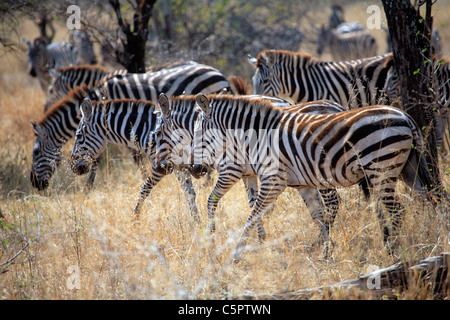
47,237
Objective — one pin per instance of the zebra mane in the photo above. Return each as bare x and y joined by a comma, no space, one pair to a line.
262,56
75,95
255,103
238,85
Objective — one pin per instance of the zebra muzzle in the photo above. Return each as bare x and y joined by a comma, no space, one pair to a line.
198,170
37,183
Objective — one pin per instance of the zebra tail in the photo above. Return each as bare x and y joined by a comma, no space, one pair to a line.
238,85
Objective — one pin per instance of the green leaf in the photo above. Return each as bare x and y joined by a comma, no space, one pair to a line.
416,72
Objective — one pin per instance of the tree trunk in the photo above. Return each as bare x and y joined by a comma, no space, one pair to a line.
411,46
132,55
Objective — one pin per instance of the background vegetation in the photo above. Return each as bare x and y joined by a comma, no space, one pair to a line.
44,235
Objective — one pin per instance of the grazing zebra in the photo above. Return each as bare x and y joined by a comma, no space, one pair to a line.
145,84
66,79
84,49
127,122
300,78
52,131
347,45
43,57
376,144
174,135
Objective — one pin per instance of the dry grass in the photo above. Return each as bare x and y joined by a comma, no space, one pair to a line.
44,235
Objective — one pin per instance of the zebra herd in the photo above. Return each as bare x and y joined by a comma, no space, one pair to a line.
311,125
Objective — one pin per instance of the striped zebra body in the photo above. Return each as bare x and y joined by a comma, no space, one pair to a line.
42,169
174,135
348,45
371,144
43,57
66,79
127,122
186,78
301,78
84,49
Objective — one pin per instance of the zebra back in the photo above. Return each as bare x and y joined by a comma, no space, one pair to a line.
66,79
300,78
347,45
187,78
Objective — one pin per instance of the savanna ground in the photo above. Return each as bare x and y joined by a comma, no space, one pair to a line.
49,240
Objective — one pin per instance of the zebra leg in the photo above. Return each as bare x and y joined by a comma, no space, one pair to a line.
251,186
226,180
151,181
271,188
186,183
395,210
319,204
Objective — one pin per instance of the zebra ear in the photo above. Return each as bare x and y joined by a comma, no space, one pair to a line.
252,60
203,103
37,129
86,109
163,102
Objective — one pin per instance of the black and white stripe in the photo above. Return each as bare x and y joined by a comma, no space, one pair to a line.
126,122
301,78
66,79
183,78
373,145
43,57
174,135
67,121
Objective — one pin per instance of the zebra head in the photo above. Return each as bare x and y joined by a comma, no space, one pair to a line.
89,141
37,56
46,157
172,143
265,80
204,143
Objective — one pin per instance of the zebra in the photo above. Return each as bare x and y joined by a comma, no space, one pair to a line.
43,57
347,45
174,134
52,131
301,78
375,144
127,122
67,78
84,49
175,80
